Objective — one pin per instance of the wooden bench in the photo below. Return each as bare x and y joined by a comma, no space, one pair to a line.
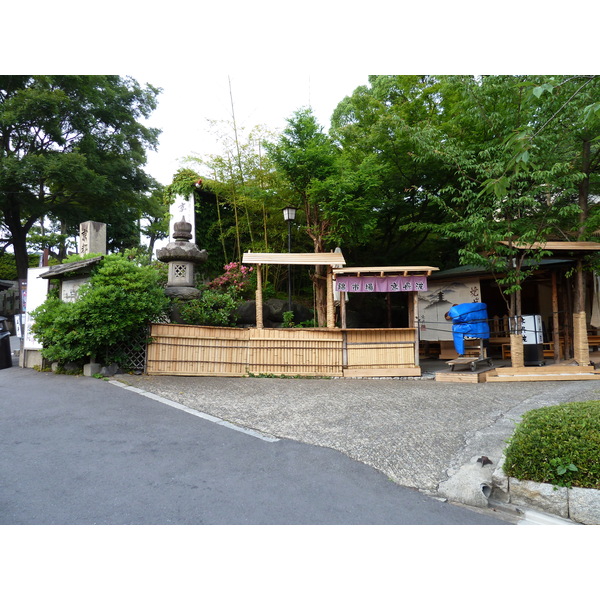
593,341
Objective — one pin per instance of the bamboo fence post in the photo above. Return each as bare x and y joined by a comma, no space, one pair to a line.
259,298
516,350
581,348
330,305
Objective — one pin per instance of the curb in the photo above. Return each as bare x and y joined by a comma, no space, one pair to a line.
575,505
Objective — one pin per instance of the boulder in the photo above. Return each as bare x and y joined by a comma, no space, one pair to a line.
245,314
110,370
278,307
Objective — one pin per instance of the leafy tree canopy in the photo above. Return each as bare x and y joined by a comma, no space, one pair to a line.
73,148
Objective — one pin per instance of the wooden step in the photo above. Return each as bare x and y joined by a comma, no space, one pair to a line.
460,377
545,373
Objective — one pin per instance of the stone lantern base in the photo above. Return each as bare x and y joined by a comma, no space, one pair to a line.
182,293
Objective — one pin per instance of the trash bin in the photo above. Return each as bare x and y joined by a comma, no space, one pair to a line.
5,352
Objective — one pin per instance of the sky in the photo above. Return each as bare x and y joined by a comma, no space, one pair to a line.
282,56
186,106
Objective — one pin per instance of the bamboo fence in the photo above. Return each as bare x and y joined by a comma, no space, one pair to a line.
319,352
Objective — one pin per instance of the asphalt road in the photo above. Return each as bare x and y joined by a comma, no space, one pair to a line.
77,450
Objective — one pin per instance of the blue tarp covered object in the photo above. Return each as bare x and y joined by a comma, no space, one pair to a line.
468,320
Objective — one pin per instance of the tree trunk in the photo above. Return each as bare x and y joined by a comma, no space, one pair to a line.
19,241
584,186
320,284
516,337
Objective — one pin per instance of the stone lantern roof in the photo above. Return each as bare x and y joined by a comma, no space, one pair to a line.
182,250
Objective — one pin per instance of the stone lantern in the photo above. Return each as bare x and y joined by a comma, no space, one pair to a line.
182,256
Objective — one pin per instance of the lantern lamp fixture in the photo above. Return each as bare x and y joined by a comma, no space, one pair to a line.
289,213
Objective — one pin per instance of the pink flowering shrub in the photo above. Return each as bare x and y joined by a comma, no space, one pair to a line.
237,280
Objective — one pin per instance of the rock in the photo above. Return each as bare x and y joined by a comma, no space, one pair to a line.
277,307
541,496
110,370
245,314
182,293
584,505
301,313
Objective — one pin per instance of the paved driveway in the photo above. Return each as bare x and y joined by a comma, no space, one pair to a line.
77,450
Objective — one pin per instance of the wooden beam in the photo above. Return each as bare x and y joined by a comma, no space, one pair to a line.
398,270
294,258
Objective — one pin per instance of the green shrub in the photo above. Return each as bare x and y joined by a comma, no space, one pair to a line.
212,308
558,445
111,310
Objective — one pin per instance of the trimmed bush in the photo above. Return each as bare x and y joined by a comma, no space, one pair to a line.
558,445
212,308
118,302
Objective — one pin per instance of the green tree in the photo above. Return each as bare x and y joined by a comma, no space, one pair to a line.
384,130
518,175
326,187
243,178
155,217
72,148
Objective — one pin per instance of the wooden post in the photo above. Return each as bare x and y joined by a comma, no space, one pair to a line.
555,320
343,309
259,298
413,320
581,349
517,357
330,305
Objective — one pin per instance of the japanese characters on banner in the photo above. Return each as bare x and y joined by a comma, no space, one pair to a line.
391,283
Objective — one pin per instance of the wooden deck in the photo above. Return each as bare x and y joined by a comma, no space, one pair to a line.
558,372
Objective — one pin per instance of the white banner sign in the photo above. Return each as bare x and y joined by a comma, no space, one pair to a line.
182,208
37,290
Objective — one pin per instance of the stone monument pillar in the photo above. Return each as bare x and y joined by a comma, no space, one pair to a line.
92,237
182,256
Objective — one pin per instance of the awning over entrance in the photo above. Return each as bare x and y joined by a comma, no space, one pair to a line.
298,258
330,259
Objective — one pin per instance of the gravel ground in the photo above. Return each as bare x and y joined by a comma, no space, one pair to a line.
417,432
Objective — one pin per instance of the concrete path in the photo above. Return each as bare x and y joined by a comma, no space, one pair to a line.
420,433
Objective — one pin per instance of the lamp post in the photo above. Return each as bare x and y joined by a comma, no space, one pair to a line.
289,215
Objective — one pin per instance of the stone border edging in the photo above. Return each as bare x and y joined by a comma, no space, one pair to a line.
581,505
